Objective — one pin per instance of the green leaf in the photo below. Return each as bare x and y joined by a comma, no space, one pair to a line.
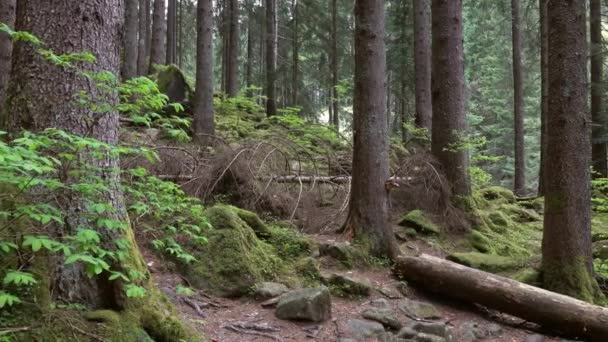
134,291
19,278
7,299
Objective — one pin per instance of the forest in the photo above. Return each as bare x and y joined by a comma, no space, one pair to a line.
303,170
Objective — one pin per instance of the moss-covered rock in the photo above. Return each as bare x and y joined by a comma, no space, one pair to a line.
345,286
172,82
481,242
419,221
485,262
497,194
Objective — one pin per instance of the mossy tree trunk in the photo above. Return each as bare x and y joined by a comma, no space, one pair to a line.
368,210
7,16
567,264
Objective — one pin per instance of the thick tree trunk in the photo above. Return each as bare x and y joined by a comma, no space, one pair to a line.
449,119
566,251
295,55
142,48
422,62
131,43
271,57
334,64
232,76
554,311
42,96
180,34
544,100
204,125
519,178
598,116
157,52
368,210
7,16
171,32
250,47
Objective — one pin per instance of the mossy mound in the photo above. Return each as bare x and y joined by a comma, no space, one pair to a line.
485,262
242,251
419,221
497,194
172,82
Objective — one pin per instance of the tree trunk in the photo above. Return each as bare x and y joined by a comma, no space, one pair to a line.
180,34
544,100
449,119
554,311
368,210
204,125
142,52
295,56
232,80
422,63
334,64
171,32
7,16
598,116
157,52
519,179
250,47
42,96
271,57
566,249
131,43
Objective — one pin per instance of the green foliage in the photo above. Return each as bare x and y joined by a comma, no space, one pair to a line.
184,291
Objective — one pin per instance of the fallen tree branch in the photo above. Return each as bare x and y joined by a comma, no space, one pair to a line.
552,310
194,306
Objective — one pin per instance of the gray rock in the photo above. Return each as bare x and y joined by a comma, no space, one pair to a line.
360,329
534,338
390,337
422,337
403,287
269,290
308,304
346,286
341,251
387,317
474,331
407,332
380,303
419,310
432,328
390,293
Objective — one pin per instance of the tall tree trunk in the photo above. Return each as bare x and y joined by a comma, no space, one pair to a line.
171,32
129,63
519,179
449,119
598,116
334,64
7,16
180,34
232,80
295,55
250,47
157,52
422,63
204,125
403,113
369,199
567,264
544,99
271,57
142,51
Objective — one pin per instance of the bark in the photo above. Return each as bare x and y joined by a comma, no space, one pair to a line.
271,57
544,101
171,32
551,310
37,102
368,210
334,65
519,179
449,119
131,43
142,44
422,62
7,16
232,75
566,248
159,27
180,34
295,55
598,116
204,125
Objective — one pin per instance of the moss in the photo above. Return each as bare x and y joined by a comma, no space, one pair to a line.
497,194
485,262
344,286
528,276
308,269
599,226
499,222
520,214
573,279
254,221
289,243
102,316
537,204
418,220
481,242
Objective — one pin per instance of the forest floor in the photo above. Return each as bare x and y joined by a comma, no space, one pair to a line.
465,322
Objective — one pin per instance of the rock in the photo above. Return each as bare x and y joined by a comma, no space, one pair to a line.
269,290
498,193
172,82
272,302
341,251
418,220
422,337
534,338
600,249
308,268
403,287
389,293
407,332
473,331
380,303
361,329
102,316
308,305
433,328
386,317
346,286
405,234
390,337
485,262
419,310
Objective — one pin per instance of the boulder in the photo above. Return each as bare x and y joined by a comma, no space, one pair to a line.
346,286
432,328
389,292
473,331
341,251
418,220
172,82
362,330
419,310
387,317
269,290
380,303
313,304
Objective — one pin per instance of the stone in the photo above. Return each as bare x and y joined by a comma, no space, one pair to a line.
433,328
403,287
341,251
407,332
379,303
419,310
313,304
386,317
346,286
473,331
361,329
485,262
267,290
422,337
419,221
534,338
389,292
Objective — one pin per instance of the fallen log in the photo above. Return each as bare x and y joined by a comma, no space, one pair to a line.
552,310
